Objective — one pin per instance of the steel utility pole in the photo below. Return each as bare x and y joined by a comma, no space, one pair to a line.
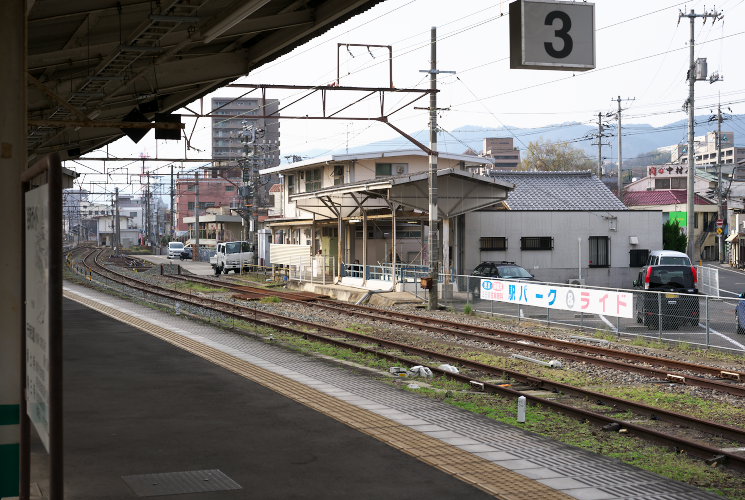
720,236
690,210
117,230
620,154
173,211
600,144
195,253
433,237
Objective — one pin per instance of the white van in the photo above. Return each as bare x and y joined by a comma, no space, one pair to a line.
174,249
667,258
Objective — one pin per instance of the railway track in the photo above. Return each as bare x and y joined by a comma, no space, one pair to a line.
688,374
359,342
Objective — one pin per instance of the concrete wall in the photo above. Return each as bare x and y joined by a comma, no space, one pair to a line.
561,263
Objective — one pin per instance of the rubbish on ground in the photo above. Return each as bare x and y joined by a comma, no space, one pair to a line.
420,371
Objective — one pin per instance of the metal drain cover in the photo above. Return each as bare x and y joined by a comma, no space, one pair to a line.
178,483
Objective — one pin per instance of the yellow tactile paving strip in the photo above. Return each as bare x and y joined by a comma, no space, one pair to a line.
487,476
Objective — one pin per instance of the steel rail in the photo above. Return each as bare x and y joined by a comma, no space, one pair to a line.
698,449
462,330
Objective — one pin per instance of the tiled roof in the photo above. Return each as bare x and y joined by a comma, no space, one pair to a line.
558,191
661,197
276,188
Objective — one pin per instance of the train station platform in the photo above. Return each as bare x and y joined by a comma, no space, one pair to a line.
158,404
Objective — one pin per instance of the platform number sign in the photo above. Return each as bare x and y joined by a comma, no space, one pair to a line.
552,35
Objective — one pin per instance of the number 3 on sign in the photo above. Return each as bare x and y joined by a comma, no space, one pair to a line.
562,33
552,35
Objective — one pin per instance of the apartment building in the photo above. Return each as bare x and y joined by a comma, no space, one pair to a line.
502,149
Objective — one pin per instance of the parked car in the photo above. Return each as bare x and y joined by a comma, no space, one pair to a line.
174,249
740,315
187,253
676,300
667,258
499,270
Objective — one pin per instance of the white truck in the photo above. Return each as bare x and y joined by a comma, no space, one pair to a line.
235,255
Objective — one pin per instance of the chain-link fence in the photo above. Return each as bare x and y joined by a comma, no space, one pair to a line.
696,319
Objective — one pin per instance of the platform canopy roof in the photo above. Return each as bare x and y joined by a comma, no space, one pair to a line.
458,192
91,63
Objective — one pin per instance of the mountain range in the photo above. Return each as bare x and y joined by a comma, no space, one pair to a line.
637,138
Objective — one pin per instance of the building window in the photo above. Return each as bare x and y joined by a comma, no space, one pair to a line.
388,169
290,182
382,169
191,187
638,257
493,243
190,206
678,183
133,214
338,175
599,251
313,180
536,243
662,183
229,188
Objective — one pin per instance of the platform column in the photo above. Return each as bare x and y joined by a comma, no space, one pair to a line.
12,163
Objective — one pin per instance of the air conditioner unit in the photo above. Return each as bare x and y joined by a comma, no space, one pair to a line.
576,281
400,169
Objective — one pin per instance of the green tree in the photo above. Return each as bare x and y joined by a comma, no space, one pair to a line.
673,238
555,156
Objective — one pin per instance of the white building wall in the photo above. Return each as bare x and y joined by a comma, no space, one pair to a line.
570,231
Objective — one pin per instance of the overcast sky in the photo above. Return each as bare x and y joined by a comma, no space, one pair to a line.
641,56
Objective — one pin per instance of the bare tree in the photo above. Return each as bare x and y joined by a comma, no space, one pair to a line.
554,156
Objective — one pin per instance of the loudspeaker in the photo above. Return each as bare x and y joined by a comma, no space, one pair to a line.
168,134
135,133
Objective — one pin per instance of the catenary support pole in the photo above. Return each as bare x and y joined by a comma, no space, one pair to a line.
195,254
117,223
433,238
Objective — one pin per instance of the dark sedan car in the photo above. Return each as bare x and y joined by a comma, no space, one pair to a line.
499,270
675,302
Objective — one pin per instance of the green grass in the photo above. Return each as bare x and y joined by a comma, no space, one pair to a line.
198,287
623,447
273,299
468,309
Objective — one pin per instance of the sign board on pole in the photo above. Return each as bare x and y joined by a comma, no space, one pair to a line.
720,222
37,311
552,35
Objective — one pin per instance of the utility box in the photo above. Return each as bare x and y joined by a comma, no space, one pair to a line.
701,69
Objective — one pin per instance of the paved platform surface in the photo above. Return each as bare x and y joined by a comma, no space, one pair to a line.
136,405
